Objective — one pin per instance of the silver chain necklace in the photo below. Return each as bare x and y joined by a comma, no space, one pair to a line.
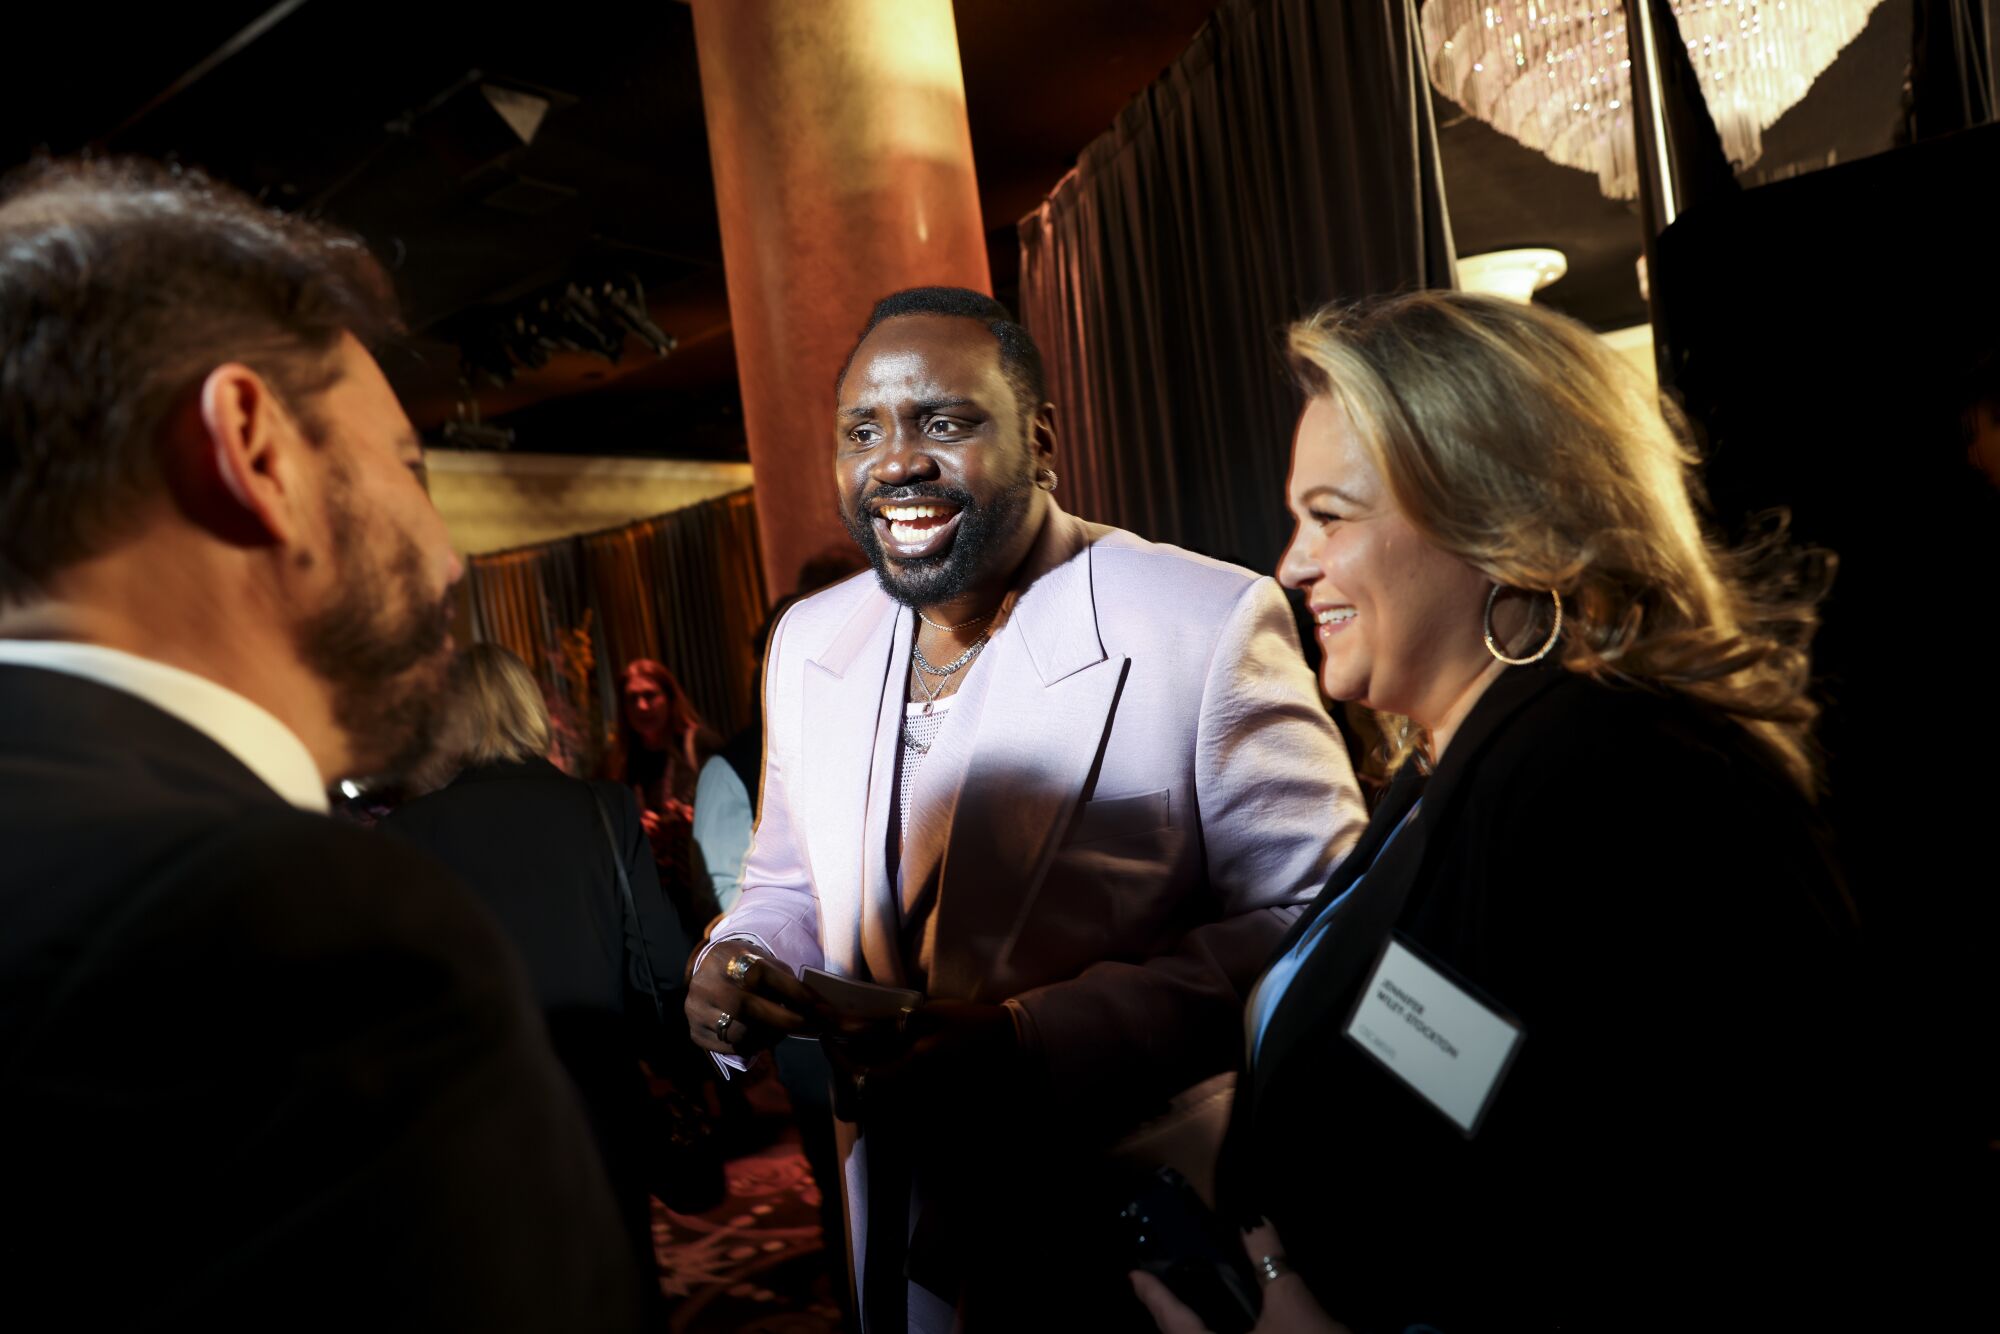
926,668
951,668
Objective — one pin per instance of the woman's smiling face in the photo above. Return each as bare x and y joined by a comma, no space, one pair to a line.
1398,619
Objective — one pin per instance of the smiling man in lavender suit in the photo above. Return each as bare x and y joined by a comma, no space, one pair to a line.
1069,785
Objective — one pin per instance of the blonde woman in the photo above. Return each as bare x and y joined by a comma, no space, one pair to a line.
1552,1047
537,847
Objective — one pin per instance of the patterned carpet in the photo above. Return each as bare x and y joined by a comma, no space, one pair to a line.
757,1263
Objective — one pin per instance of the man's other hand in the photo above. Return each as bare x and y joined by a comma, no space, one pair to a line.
942,1049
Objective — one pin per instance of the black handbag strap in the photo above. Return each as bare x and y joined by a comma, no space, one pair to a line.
635,931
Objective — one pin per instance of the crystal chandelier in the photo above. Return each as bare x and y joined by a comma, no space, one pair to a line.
1555,74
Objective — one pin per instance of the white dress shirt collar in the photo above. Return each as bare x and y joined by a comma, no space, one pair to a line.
265,746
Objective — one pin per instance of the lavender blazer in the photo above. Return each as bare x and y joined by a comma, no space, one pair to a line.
1133,797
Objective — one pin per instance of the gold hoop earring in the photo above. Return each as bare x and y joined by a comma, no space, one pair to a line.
1493,647
1046,479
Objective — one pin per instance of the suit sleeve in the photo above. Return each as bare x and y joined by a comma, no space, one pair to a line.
1277,807
776,909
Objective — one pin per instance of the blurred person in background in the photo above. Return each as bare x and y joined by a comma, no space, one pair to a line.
662,745
544,852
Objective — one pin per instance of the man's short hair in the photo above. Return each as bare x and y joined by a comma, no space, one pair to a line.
1020,359
122,285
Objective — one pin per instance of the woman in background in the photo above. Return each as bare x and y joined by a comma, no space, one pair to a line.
543,851
662,745
1562,1042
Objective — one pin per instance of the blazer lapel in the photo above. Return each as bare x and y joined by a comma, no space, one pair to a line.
841,712
1040,727
881,914
1403,792
1351,941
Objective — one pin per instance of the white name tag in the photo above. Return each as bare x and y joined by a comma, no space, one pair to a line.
1433,1035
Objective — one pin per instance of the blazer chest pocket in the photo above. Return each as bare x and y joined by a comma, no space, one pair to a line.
1119,817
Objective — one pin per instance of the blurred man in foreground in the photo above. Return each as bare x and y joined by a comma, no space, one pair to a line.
259,1067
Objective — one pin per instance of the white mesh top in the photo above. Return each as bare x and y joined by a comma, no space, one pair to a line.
920,731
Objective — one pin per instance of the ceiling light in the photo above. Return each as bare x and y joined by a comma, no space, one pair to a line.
523,112
1542,71
1514,274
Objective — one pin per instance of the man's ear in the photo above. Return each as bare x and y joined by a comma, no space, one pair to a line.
229,459
1042,435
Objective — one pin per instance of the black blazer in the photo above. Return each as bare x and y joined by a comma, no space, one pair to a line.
1642,889
262,1069
526,837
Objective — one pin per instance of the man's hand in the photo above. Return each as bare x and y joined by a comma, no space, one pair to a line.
1289,1306
740,1002
943,1049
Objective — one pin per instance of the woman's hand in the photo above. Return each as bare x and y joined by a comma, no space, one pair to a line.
663,826
1289,1307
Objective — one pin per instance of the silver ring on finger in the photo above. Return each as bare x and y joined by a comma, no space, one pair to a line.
738,968
1271,1268
722,1023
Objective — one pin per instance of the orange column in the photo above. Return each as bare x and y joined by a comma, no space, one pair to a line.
843,171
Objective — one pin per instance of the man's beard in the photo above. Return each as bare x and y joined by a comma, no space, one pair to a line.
982,529
379,646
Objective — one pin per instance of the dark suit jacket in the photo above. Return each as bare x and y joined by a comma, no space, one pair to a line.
261,1069
1643,890
526,837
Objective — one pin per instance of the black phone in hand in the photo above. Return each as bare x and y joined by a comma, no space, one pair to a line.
1177,1239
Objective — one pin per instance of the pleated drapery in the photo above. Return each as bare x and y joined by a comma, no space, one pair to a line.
530,601
685,587
1287,159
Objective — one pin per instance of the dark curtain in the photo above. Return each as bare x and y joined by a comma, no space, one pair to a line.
531,602
1950,85
1287,159
686,588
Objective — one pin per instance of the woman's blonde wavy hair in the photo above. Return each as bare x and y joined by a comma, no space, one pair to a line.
493,713
1516,440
